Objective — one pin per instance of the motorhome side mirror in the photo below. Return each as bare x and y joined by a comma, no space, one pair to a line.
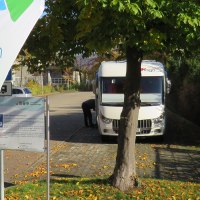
96,91
168,86
93,86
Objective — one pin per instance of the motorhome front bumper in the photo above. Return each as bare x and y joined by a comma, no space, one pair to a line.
145,127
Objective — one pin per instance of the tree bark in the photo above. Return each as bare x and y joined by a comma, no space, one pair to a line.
124,175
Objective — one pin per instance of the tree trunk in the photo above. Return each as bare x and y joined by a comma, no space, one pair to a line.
124,175
81,78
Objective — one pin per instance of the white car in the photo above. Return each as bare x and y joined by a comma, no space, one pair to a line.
21,92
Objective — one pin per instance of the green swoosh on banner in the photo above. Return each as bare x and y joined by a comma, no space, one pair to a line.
17,8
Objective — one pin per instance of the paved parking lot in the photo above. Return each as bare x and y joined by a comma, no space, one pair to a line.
85,155
78,152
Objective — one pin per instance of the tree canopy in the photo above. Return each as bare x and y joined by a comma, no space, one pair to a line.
150,25
81,27
136,28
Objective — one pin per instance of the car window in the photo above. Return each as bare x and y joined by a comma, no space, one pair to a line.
27,91
14,91
17,91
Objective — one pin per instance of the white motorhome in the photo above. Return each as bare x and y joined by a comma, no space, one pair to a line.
110,98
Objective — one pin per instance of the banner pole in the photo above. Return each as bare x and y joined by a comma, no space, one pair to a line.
48,148
2,175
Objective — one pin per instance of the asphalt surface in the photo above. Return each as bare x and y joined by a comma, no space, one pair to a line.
77,151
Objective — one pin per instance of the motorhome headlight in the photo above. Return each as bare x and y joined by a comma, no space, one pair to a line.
159,119
105,120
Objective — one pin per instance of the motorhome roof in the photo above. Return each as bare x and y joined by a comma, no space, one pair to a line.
112,68
148,62
153,63
118,68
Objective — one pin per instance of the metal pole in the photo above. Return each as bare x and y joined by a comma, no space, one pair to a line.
48,148
2,176
21,77
42,83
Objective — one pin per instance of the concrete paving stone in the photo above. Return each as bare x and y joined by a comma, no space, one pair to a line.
79,151
98,159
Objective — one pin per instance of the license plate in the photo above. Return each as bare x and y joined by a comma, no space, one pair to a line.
138,130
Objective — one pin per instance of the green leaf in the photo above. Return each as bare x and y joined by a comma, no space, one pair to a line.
151,3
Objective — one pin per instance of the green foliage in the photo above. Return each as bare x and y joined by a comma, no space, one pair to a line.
47,89
80,87
83,27
62,88
38,89
35,87
185,94
98,188
194,69
149,25
189,98
84,87
185,68
52,43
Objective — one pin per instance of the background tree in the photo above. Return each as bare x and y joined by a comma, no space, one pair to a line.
53,39
137,28
134,27
185,73
68,74
52,43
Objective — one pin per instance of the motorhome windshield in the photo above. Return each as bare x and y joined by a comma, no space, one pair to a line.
112,90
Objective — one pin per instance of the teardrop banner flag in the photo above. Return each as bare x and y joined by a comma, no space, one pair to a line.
17,19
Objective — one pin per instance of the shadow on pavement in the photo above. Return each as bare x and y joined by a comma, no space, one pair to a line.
6,184
180,131
86,135
177,163
172,162
65,176
63,126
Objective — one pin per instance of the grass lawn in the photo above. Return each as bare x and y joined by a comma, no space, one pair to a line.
99,188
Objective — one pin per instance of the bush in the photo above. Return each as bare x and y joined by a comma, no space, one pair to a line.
35,87
185,93
85,87
47,89
189,98
38,89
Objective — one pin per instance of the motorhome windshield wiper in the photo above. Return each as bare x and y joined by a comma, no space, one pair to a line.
150,103
113,104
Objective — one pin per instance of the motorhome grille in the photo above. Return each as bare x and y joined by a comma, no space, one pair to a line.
144,126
